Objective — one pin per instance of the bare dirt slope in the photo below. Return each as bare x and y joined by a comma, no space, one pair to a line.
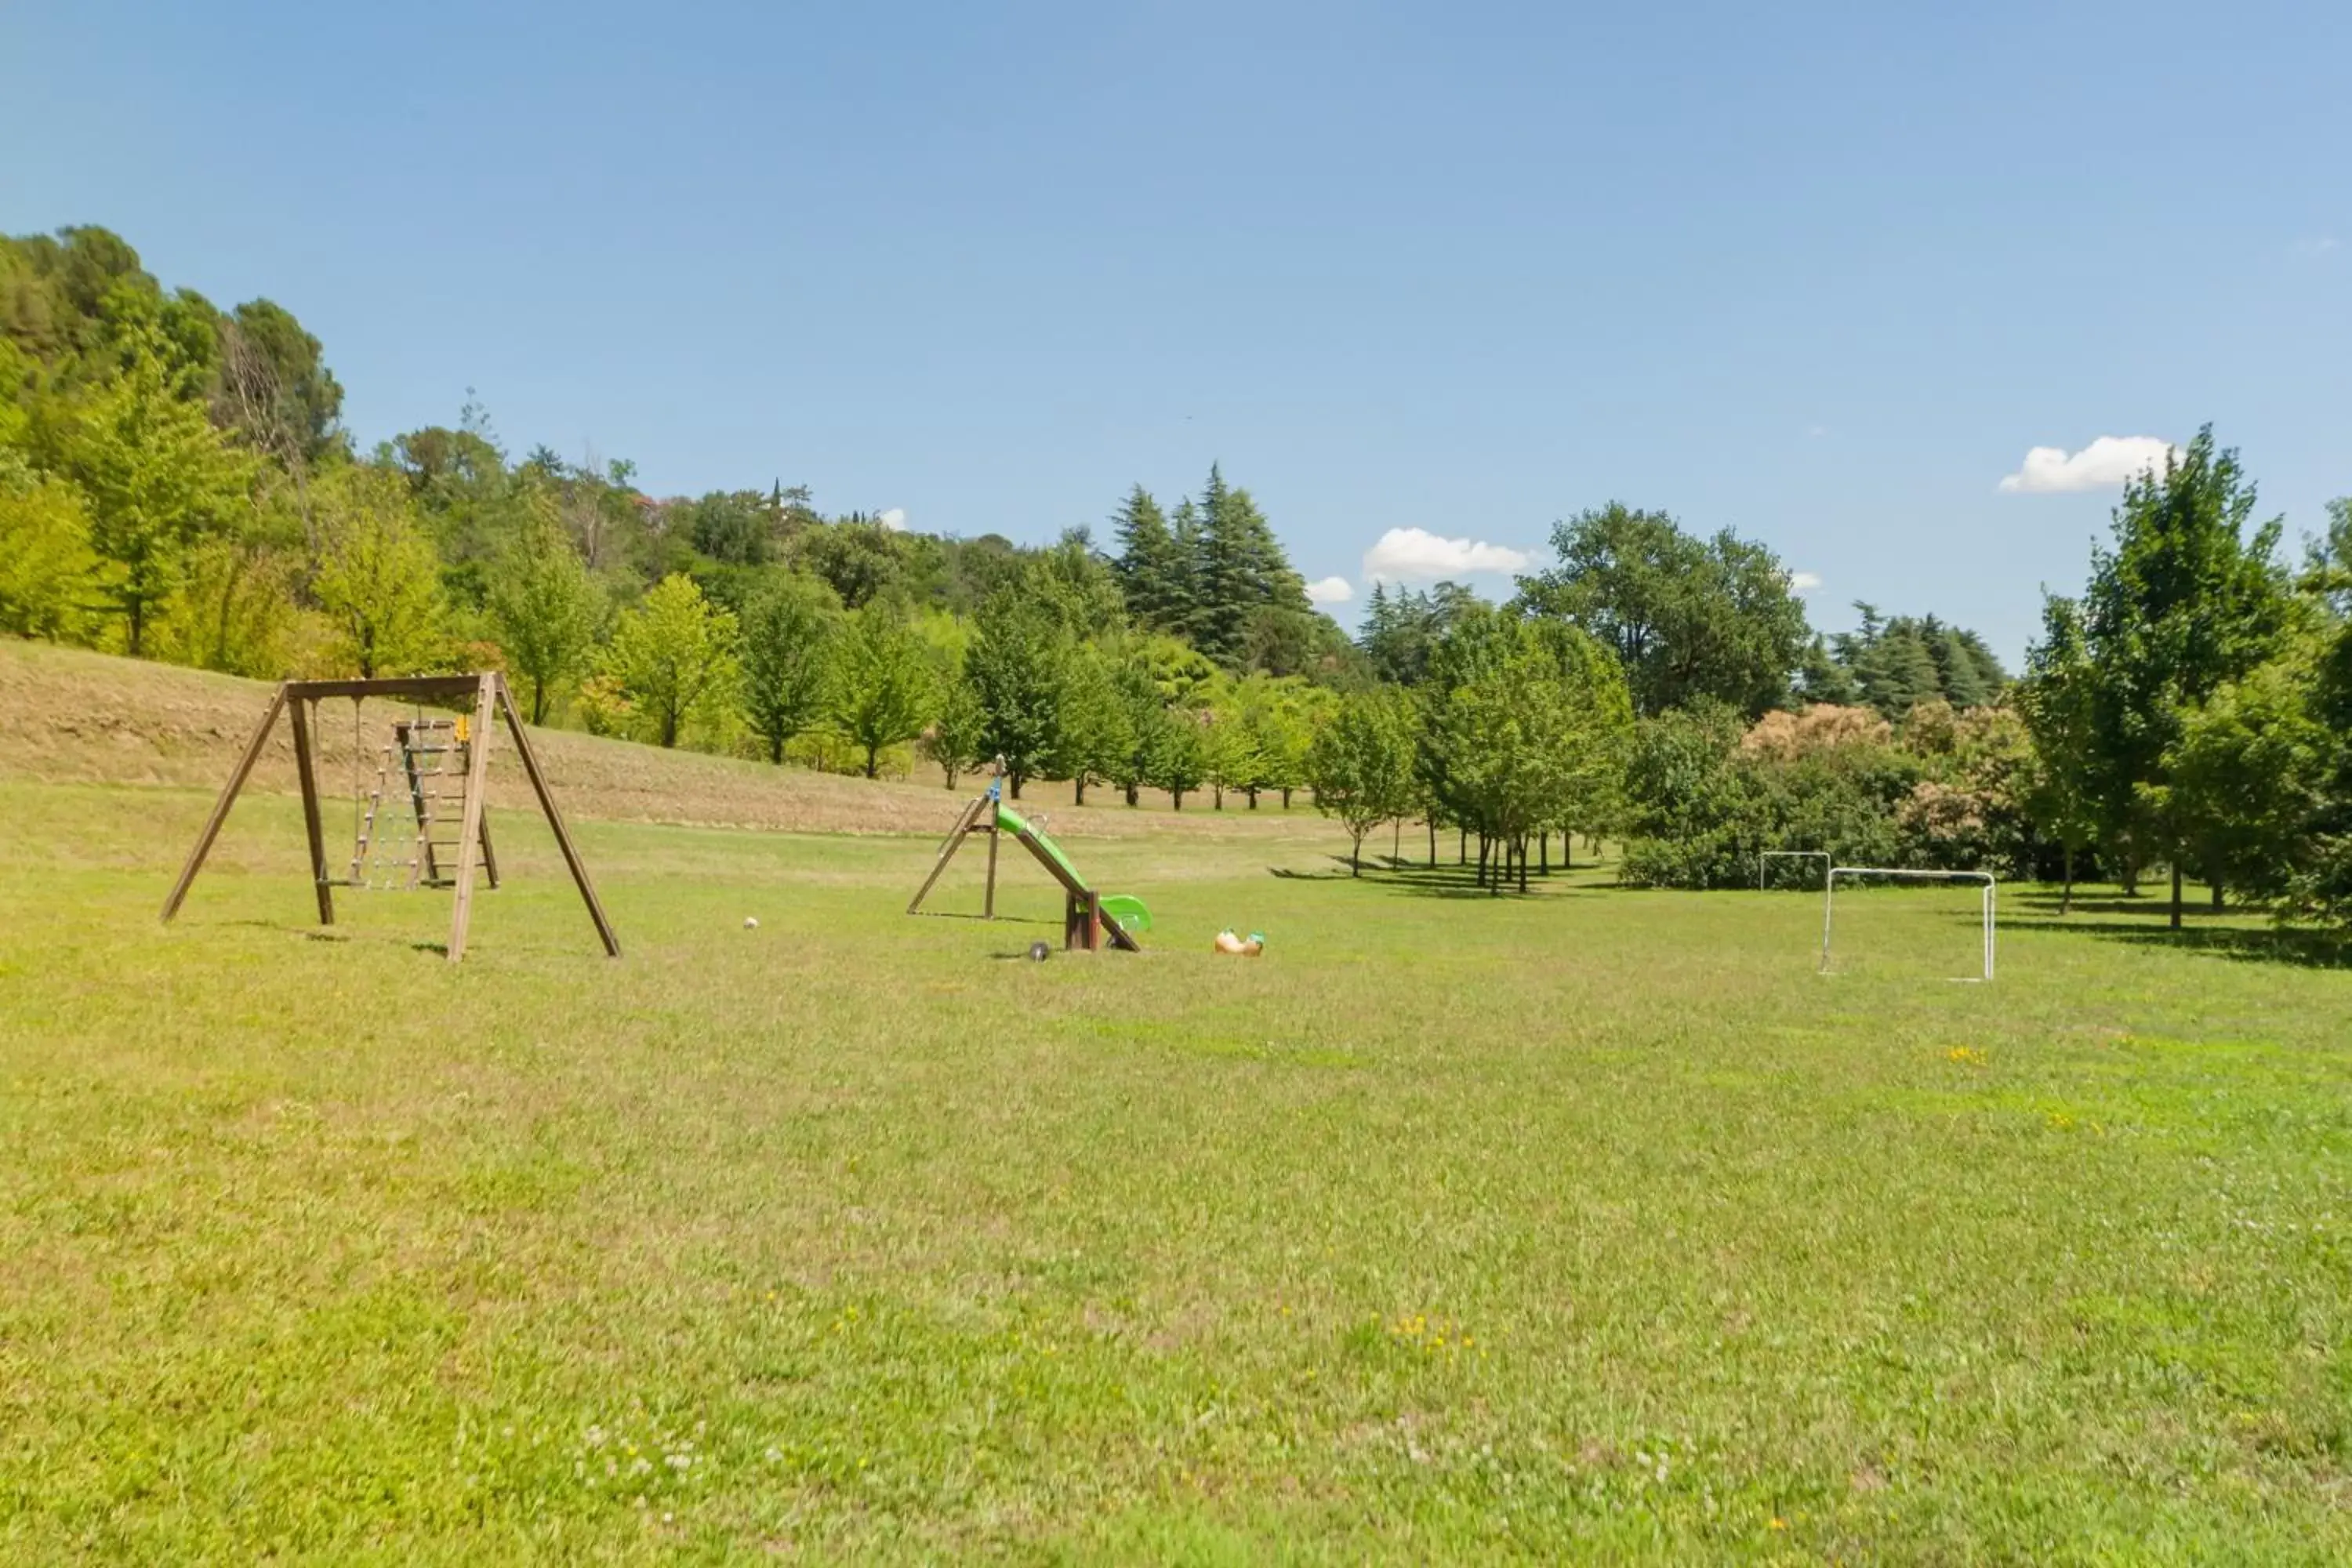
70,716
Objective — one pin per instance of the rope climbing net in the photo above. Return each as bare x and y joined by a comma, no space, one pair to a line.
406,819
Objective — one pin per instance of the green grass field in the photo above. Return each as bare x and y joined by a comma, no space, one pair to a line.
1593,1225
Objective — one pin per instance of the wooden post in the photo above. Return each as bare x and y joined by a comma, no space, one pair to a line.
988,906
299,711
227,798
947,846
490,860
470,831
426,868
554,817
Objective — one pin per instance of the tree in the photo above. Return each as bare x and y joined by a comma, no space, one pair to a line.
1689,618
1152,571
883,683
2248,773
2183,601
1360,766
955,741
545,608
2055,700
787,631
672,659
47,570
1016,665
274,385
1142,716
1092,732
1173,755
860,559
378,579
733,527
1237,567
157,477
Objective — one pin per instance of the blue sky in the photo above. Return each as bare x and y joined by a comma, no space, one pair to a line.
1820,273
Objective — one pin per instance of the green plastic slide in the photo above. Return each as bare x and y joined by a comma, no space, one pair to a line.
1010,820
1124,907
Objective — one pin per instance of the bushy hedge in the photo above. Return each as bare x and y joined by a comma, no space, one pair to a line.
1707,794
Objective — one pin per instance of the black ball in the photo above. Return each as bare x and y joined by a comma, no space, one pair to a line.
1039,952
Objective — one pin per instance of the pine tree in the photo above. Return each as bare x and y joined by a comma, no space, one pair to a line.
1222,558
1149,572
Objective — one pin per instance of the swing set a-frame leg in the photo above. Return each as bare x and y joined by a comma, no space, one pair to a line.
227,798
947,846
571,860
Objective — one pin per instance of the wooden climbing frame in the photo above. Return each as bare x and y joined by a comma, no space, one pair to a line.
486,699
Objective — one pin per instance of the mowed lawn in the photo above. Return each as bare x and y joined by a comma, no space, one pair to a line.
1589,1225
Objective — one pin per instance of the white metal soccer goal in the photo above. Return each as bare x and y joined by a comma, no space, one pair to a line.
1987,901
1765,858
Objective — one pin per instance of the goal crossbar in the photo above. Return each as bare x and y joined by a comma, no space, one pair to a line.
1765,857
1987,901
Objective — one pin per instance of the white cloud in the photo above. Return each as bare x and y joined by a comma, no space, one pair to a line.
1804,581
895,520
2312,249
2105,464
1331,591
1417,555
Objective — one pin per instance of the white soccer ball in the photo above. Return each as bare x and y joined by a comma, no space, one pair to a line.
751,923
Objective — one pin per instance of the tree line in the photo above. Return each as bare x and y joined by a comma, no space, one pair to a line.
176,483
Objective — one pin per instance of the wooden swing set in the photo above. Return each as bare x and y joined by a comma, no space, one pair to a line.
402,825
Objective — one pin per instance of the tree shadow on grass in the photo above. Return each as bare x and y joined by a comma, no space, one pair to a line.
1418,879
2246,944
2151,907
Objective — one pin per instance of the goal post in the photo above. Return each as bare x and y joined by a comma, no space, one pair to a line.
1987,898
1764,859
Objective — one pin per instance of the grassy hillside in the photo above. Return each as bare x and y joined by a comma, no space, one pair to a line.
67,715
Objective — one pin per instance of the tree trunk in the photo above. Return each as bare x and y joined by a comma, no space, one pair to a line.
1482,861
873,754
949,770
1567,849
1286,797
2066,894
1543,853
1396,837
1356,857
1252,793
538,706
1462,846
1523,864
1017,780
1078,789
1175,800
1217,794
1433,845
2176,895
2217,892
1132,796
